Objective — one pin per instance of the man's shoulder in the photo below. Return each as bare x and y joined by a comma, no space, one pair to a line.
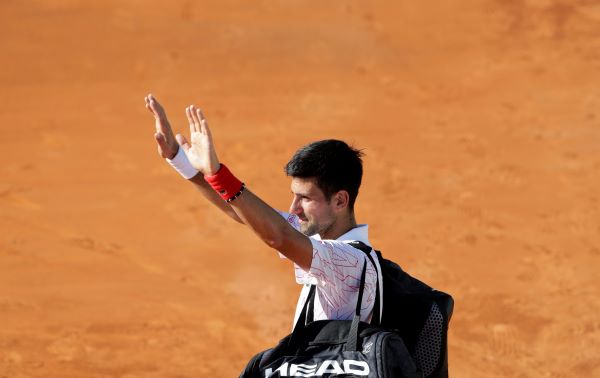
359,233
335,250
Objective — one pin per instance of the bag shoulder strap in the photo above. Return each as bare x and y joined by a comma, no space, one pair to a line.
376,319
377,309
352,343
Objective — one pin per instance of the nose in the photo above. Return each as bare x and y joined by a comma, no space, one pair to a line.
295,206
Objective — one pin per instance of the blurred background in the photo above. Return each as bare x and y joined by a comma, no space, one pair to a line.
479,121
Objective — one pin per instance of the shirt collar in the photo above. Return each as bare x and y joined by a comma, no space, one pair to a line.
358,233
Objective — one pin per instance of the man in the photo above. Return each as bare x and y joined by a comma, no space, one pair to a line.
326,177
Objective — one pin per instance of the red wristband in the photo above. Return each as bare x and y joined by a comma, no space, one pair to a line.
225,184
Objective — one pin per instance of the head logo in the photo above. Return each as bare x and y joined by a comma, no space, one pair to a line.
325,369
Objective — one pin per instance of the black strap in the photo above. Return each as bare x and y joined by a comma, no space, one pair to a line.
352,344
310,312
361,289
376,318
297,327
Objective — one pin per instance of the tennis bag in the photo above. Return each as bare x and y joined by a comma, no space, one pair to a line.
419,314
414,324
335,348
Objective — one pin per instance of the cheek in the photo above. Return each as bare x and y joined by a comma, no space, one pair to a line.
316,212
308,209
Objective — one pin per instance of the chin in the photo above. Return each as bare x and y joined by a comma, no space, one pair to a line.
308,230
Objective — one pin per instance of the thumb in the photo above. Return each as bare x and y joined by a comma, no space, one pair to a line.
182,142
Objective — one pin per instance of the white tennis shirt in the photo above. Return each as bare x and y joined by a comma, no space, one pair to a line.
335,270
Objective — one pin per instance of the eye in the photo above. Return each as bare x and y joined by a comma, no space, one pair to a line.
300,197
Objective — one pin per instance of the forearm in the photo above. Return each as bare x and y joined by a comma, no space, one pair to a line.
224,189
273,229
179,161
209,194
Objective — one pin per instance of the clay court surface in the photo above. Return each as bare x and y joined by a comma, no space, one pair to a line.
480,124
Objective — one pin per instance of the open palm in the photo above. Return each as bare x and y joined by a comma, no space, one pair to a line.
201,151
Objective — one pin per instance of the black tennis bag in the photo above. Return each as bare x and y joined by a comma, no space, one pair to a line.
335,348
409,339
419,314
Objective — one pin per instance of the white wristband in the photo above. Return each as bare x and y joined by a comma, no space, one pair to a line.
182,165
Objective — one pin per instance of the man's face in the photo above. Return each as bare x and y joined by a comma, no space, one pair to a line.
315,212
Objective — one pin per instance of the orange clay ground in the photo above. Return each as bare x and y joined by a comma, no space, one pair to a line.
480,124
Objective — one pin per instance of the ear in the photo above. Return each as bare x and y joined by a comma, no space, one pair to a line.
341,200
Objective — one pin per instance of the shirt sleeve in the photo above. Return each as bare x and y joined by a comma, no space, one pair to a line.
335,269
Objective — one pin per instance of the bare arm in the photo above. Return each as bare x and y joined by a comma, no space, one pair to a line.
275,231
168,146
208,193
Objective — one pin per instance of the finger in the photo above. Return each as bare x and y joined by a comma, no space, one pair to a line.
188,113
204,125
203,122
152,106
162,123
182,142
147,103
195,118
157,108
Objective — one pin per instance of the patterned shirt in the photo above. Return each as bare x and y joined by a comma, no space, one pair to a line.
335,270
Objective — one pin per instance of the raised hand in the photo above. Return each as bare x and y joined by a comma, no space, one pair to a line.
201,151
167,145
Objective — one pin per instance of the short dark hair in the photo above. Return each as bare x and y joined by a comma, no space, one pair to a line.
332,163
